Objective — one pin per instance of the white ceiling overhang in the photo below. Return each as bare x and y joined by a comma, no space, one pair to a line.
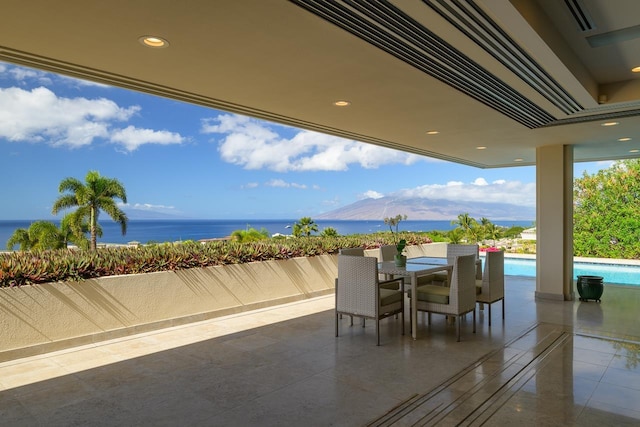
507,75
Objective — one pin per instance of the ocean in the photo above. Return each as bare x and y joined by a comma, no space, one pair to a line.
145,231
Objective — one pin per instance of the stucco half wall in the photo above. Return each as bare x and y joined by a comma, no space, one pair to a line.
52,316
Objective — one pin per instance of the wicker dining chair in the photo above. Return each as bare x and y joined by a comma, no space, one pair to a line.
352,251
492,283
457,299
455,250
359,292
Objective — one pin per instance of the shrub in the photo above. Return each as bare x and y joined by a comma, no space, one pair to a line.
29,268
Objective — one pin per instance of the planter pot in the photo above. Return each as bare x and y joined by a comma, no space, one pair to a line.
400,260
590,287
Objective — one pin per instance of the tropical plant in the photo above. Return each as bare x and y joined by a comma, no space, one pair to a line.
95,195
25,268
46,235
329,232
39,235
607,212
304,227
466,223
249,235
493,232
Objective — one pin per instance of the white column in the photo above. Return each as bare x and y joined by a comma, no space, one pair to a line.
554,222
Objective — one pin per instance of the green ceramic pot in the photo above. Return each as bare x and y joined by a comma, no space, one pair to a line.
590,287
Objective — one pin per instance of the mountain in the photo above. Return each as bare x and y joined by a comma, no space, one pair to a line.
428,209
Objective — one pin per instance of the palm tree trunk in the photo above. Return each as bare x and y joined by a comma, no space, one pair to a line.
92,224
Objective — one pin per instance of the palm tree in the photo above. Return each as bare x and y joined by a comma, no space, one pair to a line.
249,235
96,194
305,226
465,223
485,223
73,230
45,235
329,232
493,232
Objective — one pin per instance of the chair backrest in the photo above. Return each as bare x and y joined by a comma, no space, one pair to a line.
456,250
463,283
388,252
352,251
356,286
493,277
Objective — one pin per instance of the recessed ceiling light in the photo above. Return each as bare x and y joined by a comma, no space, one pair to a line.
432,132
624,139
482,147
342,103
610,124
634,151
153,41
518,160
636,69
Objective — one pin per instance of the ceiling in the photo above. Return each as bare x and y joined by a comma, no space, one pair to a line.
506,75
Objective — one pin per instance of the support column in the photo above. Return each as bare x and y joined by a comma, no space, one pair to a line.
554,222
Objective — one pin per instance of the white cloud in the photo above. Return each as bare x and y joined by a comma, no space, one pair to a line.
499,191
250,185
23,75
371,194
283,184
39,115
150,207
32,76
132,138
480,181
253,144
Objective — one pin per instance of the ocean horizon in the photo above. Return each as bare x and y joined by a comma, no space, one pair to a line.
172,230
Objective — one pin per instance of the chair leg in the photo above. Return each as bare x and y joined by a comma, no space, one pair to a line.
503,308
351,320
337,317
458,327
474,319
490,314
363,320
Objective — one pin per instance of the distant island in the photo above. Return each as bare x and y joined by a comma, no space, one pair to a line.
428,210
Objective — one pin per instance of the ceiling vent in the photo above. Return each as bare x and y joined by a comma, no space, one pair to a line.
580,14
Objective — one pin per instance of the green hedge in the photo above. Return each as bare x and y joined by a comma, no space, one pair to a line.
29,268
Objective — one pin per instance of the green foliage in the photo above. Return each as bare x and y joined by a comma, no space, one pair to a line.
469,228
45,235
249,235
304,227
512,232
607,212
329,232
95,195
28,268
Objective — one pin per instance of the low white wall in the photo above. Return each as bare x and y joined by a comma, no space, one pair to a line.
52,316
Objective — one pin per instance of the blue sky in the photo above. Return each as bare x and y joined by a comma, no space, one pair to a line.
196,162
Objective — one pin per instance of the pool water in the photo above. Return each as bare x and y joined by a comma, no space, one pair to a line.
611,273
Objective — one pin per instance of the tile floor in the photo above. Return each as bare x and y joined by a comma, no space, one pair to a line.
550,363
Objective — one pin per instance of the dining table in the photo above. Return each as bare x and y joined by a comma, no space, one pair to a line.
414,268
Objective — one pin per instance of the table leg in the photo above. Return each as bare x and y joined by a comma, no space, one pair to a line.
414,305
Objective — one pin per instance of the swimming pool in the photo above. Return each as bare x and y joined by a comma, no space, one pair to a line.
611,273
